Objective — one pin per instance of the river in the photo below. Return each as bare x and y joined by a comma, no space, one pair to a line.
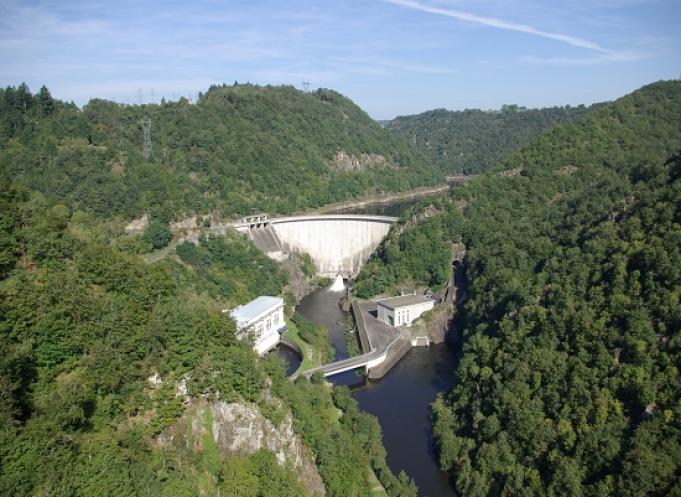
401,400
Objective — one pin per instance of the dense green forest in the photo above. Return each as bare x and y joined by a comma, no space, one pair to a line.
83,326
568,382
239,148
472,141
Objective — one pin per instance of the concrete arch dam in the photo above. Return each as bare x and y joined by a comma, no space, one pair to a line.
337,243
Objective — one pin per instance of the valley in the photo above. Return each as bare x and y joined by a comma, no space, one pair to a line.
554,371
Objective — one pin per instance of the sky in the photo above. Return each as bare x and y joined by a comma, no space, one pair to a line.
392,57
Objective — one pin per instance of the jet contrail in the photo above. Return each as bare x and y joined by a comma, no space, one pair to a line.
501,24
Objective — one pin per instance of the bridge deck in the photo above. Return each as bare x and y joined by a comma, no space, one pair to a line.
377,338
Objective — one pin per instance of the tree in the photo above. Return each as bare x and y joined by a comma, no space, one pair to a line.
45,101
23,98
158,234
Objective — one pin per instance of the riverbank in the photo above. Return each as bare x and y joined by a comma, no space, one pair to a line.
380,199
311,355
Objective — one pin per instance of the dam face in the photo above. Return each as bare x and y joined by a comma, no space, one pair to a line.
337,243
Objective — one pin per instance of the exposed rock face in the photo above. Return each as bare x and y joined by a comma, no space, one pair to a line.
137,225
118,168
299,284
437,325
517,171
187,223
343,161
458,251
240,428
429,211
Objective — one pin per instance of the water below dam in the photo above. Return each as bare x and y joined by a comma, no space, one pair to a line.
290,357
401,400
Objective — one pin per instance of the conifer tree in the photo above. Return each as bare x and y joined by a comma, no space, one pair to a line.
45,101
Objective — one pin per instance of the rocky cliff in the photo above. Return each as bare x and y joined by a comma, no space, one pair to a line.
240,428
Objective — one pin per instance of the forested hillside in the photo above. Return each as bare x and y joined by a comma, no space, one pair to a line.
472,141
102,354
568,382
239,148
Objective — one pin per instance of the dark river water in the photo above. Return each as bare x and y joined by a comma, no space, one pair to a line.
387,209
290,357
401,400
391,208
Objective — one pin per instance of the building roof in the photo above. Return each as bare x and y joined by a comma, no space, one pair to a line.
404,301
248,312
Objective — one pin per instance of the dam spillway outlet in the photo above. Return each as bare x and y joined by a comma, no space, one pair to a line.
338,284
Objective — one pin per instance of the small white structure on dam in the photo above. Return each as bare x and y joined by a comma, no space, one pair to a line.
404,310
263,319
337,243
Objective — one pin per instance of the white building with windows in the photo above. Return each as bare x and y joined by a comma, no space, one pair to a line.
263,319
402,311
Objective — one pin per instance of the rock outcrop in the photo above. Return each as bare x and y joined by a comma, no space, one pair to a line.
240,428
343,161
435,327
137,225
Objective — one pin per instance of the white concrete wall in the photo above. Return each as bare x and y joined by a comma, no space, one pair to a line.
335,244
267,342
265,329
413,312
404,316
384,314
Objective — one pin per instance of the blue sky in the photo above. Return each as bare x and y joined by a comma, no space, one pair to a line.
392,57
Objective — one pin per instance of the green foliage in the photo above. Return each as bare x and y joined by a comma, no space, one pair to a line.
168,408
45,101
473,141
351,338
419,256
82,325
238,149
9,224
346,442
316,335
307,265
258,475
568,381
158,234
211,454
230,267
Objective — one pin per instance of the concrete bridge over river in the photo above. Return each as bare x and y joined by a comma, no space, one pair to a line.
383,346
337,243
